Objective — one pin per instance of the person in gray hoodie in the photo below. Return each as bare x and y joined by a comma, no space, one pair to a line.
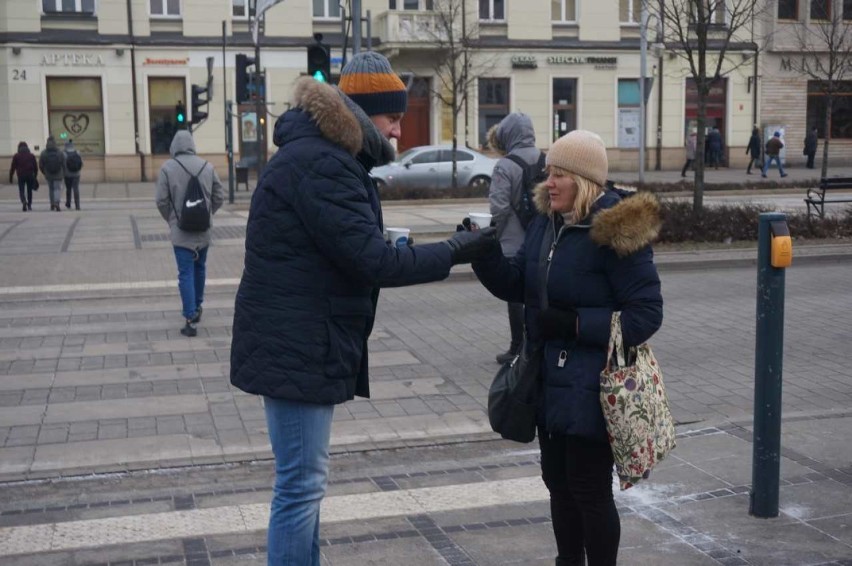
514,135
51,163
190,247
73,165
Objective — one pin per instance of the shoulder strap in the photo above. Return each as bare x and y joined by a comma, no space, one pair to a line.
187,170
524,169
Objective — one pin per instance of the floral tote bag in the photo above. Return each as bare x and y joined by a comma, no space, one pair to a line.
638,420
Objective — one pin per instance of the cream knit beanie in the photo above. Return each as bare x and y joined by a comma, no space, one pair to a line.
580,152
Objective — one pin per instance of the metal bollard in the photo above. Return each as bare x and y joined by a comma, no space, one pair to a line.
774,254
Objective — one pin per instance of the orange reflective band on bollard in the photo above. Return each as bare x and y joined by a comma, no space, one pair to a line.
782,245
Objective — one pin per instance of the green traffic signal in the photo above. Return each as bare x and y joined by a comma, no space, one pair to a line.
180,117
319,76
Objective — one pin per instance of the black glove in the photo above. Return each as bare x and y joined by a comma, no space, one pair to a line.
465,225
557,323
468,246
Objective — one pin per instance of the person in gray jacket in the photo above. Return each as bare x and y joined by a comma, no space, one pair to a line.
51,163
73,165
514,135
190,247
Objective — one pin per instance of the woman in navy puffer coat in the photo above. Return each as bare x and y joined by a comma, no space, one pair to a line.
586,256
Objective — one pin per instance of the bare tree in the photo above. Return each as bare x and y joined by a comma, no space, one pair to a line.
703,33
456,61
826,47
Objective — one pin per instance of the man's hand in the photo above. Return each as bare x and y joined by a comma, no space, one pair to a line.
468,246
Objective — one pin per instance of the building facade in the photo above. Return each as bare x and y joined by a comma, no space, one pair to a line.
112,75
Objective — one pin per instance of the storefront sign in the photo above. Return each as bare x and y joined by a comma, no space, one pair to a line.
628,127
598,62
150,61
524,62
72,60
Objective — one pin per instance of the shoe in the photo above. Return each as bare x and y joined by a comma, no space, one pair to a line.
764,176
67,205
189,330
29,207
77,207
25,208
784,175
197,318
506,357
748,172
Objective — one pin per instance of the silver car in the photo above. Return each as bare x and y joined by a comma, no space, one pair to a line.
431,167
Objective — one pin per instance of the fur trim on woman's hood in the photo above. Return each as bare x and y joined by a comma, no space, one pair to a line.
334,120
628,226
492,141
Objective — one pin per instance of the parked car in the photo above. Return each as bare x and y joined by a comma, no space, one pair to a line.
431,167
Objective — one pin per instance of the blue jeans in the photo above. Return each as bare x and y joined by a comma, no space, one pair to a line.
192,271
300,434
769,160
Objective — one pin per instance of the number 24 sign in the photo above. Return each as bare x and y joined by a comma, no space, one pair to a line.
19,74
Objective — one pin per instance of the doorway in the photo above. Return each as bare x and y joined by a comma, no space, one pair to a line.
415,123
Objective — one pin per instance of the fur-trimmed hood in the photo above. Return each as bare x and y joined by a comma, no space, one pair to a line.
339,120
624,220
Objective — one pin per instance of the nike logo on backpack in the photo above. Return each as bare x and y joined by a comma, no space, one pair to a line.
191,203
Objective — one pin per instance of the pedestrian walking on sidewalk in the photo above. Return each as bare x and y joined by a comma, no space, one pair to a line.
514,177
811,141
188,188
691,144
753,150
714,148
25,166
73,165
587,255
314,263
51,162
773,151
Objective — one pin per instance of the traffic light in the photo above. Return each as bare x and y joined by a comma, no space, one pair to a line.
199,113
319,60
244,76
180,115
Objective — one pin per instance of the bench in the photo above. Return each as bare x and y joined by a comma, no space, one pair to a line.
816,200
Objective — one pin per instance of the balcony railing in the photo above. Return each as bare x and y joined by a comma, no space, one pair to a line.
411,28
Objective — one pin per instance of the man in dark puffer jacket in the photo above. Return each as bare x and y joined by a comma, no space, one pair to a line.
315,260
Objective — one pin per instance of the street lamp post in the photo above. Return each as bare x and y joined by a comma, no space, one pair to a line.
643,71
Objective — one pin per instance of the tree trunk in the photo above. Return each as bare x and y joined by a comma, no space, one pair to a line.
698,191
455,142
827,125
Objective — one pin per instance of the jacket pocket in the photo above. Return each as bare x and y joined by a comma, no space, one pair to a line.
347,335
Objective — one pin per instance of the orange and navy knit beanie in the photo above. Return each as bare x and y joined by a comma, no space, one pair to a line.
371,84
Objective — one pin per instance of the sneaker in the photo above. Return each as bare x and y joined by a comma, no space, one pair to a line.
197,318
764,176
784,175
189,330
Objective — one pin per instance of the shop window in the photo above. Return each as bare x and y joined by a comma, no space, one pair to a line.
75,111
628,113
164,96
326,9
491,10
563,10
847,10
165,8
564,107
788,9
493,105
820,9
630,11
68,6
840,123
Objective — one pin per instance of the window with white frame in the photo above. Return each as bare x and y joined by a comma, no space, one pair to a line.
414,5
240,8
563,10
326,9
490,10
629,11
68,6
820,9
165,8
788,10
715,12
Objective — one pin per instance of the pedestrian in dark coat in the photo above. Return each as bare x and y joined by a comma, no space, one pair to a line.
773,153
714,148
73,166
811,147
315,260
25,166
753,150
51,163
586,256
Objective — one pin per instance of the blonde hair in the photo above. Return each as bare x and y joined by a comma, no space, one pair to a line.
587,193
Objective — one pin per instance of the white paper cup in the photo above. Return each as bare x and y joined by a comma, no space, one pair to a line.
398,236
479,219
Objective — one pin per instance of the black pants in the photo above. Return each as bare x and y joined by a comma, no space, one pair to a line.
753,161
578,474
516,325
27,183
811,160
686,166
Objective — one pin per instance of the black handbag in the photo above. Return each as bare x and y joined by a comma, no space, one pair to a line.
35,185
514,396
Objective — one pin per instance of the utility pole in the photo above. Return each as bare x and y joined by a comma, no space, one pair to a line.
356,26
259,101
643,71
229,137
